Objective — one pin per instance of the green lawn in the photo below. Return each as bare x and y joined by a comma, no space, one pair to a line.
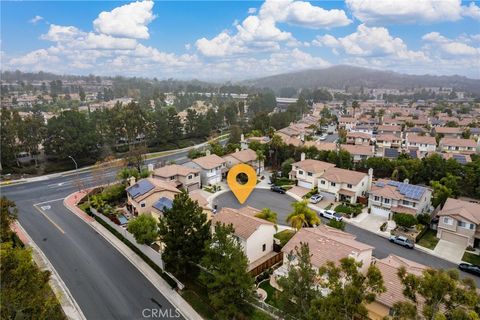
260,315
271,293
199,304
284,236
429,239
471,258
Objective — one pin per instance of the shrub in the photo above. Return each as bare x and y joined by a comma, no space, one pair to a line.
336,224
405,220
144,229
383,227
424,218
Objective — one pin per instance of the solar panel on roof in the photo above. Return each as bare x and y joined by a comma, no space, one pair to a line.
460,158
139,188
163,203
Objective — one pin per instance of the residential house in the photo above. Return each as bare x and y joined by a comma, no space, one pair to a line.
307,171
388,197
460,222
254,234
182,176
419,131
247,156
381,308
198,195
390,129
345,185
359,152
452,145
358,138
244,142
325,244
460,158
364,128
347,123
422,143
211,168
388,140
143,196
321,146
448,132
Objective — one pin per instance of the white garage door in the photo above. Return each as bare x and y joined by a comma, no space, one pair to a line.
305,184
380,212
455,238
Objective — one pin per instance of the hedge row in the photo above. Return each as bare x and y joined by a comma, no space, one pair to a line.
154,266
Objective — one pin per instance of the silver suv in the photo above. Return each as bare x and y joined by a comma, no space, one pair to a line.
403,241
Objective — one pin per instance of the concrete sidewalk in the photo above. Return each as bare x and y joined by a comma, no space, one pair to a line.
69,305
162,286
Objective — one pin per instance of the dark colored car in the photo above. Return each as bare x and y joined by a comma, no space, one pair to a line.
403,241
278,189
470,268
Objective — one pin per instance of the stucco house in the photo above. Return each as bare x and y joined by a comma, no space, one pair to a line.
390,129
345,185
325,244
460,222
307,171
358,138
246,156
453,145
422,143
388,197
211,168
388,140
359,153
448,132
254,234
142,196
182,176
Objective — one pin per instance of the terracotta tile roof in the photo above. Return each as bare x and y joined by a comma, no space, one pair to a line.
339,175
358,150
346,119
174,170
314,166
448,130
158,186
389,267
243,220
458,142
460,208
421,139
397,190
326,244
327,146
390,128
387,137
355,134
246,155
289,140
209,162
197,195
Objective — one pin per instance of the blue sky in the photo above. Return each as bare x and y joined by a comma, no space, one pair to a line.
231,40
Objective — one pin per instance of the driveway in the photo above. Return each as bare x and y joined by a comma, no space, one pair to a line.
370,222
449,250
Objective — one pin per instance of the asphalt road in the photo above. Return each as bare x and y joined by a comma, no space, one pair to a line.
102,281
281,204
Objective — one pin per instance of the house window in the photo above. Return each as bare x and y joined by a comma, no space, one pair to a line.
386,200
349,186
189,177
142,204
447,220
309,174
376,198
196,174
264,247
333,184
300,172
172,178
322,181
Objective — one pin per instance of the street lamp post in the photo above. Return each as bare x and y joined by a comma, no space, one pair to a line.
76,165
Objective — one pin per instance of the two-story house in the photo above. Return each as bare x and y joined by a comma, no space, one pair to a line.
452,145
326,244
448,132
422,143
307,171
254,234
345,185
211,168
358,138
183,177
460,222
347,123
144,194
359,153
388,197
388,140
390,129
246,156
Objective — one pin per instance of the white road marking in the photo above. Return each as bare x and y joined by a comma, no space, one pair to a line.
49,219
54,200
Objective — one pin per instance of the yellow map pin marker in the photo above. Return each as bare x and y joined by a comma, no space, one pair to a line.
242,191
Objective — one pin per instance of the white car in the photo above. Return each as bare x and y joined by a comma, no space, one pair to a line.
330,214
316,198
323,137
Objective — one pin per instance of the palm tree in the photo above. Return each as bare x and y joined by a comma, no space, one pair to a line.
267,214
302,216
276,144
260,158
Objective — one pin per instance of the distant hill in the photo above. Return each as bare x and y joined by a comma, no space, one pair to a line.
338,77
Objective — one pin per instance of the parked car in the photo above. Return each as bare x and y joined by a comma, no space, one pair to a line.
403,241
323,137
470,268
278,189
316,198
330,214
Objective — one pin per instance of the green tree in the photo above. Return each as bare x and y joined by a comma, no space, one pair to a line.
298,291
184,230
287,166
267,214
453,183
225,274
8,216
440,193
31,134
302,216
336,224
350,290
216,148
260,158
437,294
235,134
144,229
175,127
405,220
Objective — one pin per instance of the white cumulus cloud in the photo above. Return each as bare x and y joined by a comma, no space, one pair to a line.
35,19
129,21
438,44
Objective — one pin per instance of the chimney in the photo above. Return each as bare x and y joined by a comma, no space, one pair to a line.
207,152
370,179
302,156
406,181
132,180
150,167
236,150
